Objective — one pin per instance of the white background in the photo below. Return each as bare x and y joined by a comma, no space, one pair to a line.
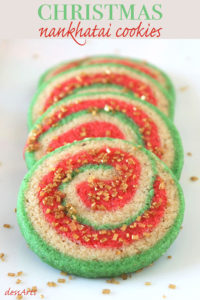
21,63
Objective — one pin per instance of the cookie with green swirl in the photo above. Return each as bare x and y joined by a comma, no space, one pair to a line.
100,208
105,114
136,64
141,85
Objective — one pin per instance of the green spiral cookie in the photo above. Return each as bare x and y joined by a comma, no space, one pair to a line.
100,208
105,114
60,86
136,64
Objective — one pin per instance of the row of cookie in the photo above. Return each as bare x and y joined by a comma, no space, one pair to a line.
124,104
142,79
95,202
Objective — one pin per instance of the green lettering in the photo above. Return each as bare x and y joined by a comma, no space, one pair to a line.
123,12
111,6
144,13
40,11
157,11
62,10
76,8
99,12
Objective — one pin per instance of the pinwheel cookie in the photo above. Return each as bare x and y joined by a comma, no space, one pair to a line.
60,86
141,65
100,207
106,114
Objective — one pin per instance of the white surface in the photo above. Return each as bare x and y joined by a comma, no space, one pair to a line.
21,63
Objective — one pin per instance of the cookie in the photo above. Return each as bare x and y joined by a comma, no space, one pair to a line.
60,86
100,208
106,114
141,65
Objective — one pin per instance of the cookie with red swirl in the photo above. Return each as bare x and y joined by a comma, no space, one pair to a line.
100,207
140,65
141,85
105,114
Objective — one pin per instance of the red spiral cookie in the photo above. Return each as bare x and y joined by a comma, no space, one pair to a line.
113,115
60,86
139,65
100,207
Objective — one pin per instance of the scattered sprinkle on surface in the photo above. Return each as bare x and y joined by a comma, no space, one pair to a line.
183,88
113,281
19,297
35,56
18,281
106,291
189,154
172,286
140,270
63,273
51,284
11,274
42,296
6,226
169,256
61,280
164,297
2,256
124,276
194,178
147,283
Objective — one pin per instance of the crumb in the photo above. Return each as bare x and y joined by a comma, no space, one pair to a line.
2,256
113,281
42,296
70,277
34,289
11,274
140,270
18,281
19,297
147,283
164,296
124,276
150,265
189,154
169,256
51,284
194,178
15,210
172,286
6,226
63,273
183,88
106,291
61,280
35,56
181,227
20,273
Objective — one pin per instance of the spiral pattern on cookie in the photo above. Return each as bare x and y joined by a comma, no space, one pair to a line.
60,86
107,114
100,207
